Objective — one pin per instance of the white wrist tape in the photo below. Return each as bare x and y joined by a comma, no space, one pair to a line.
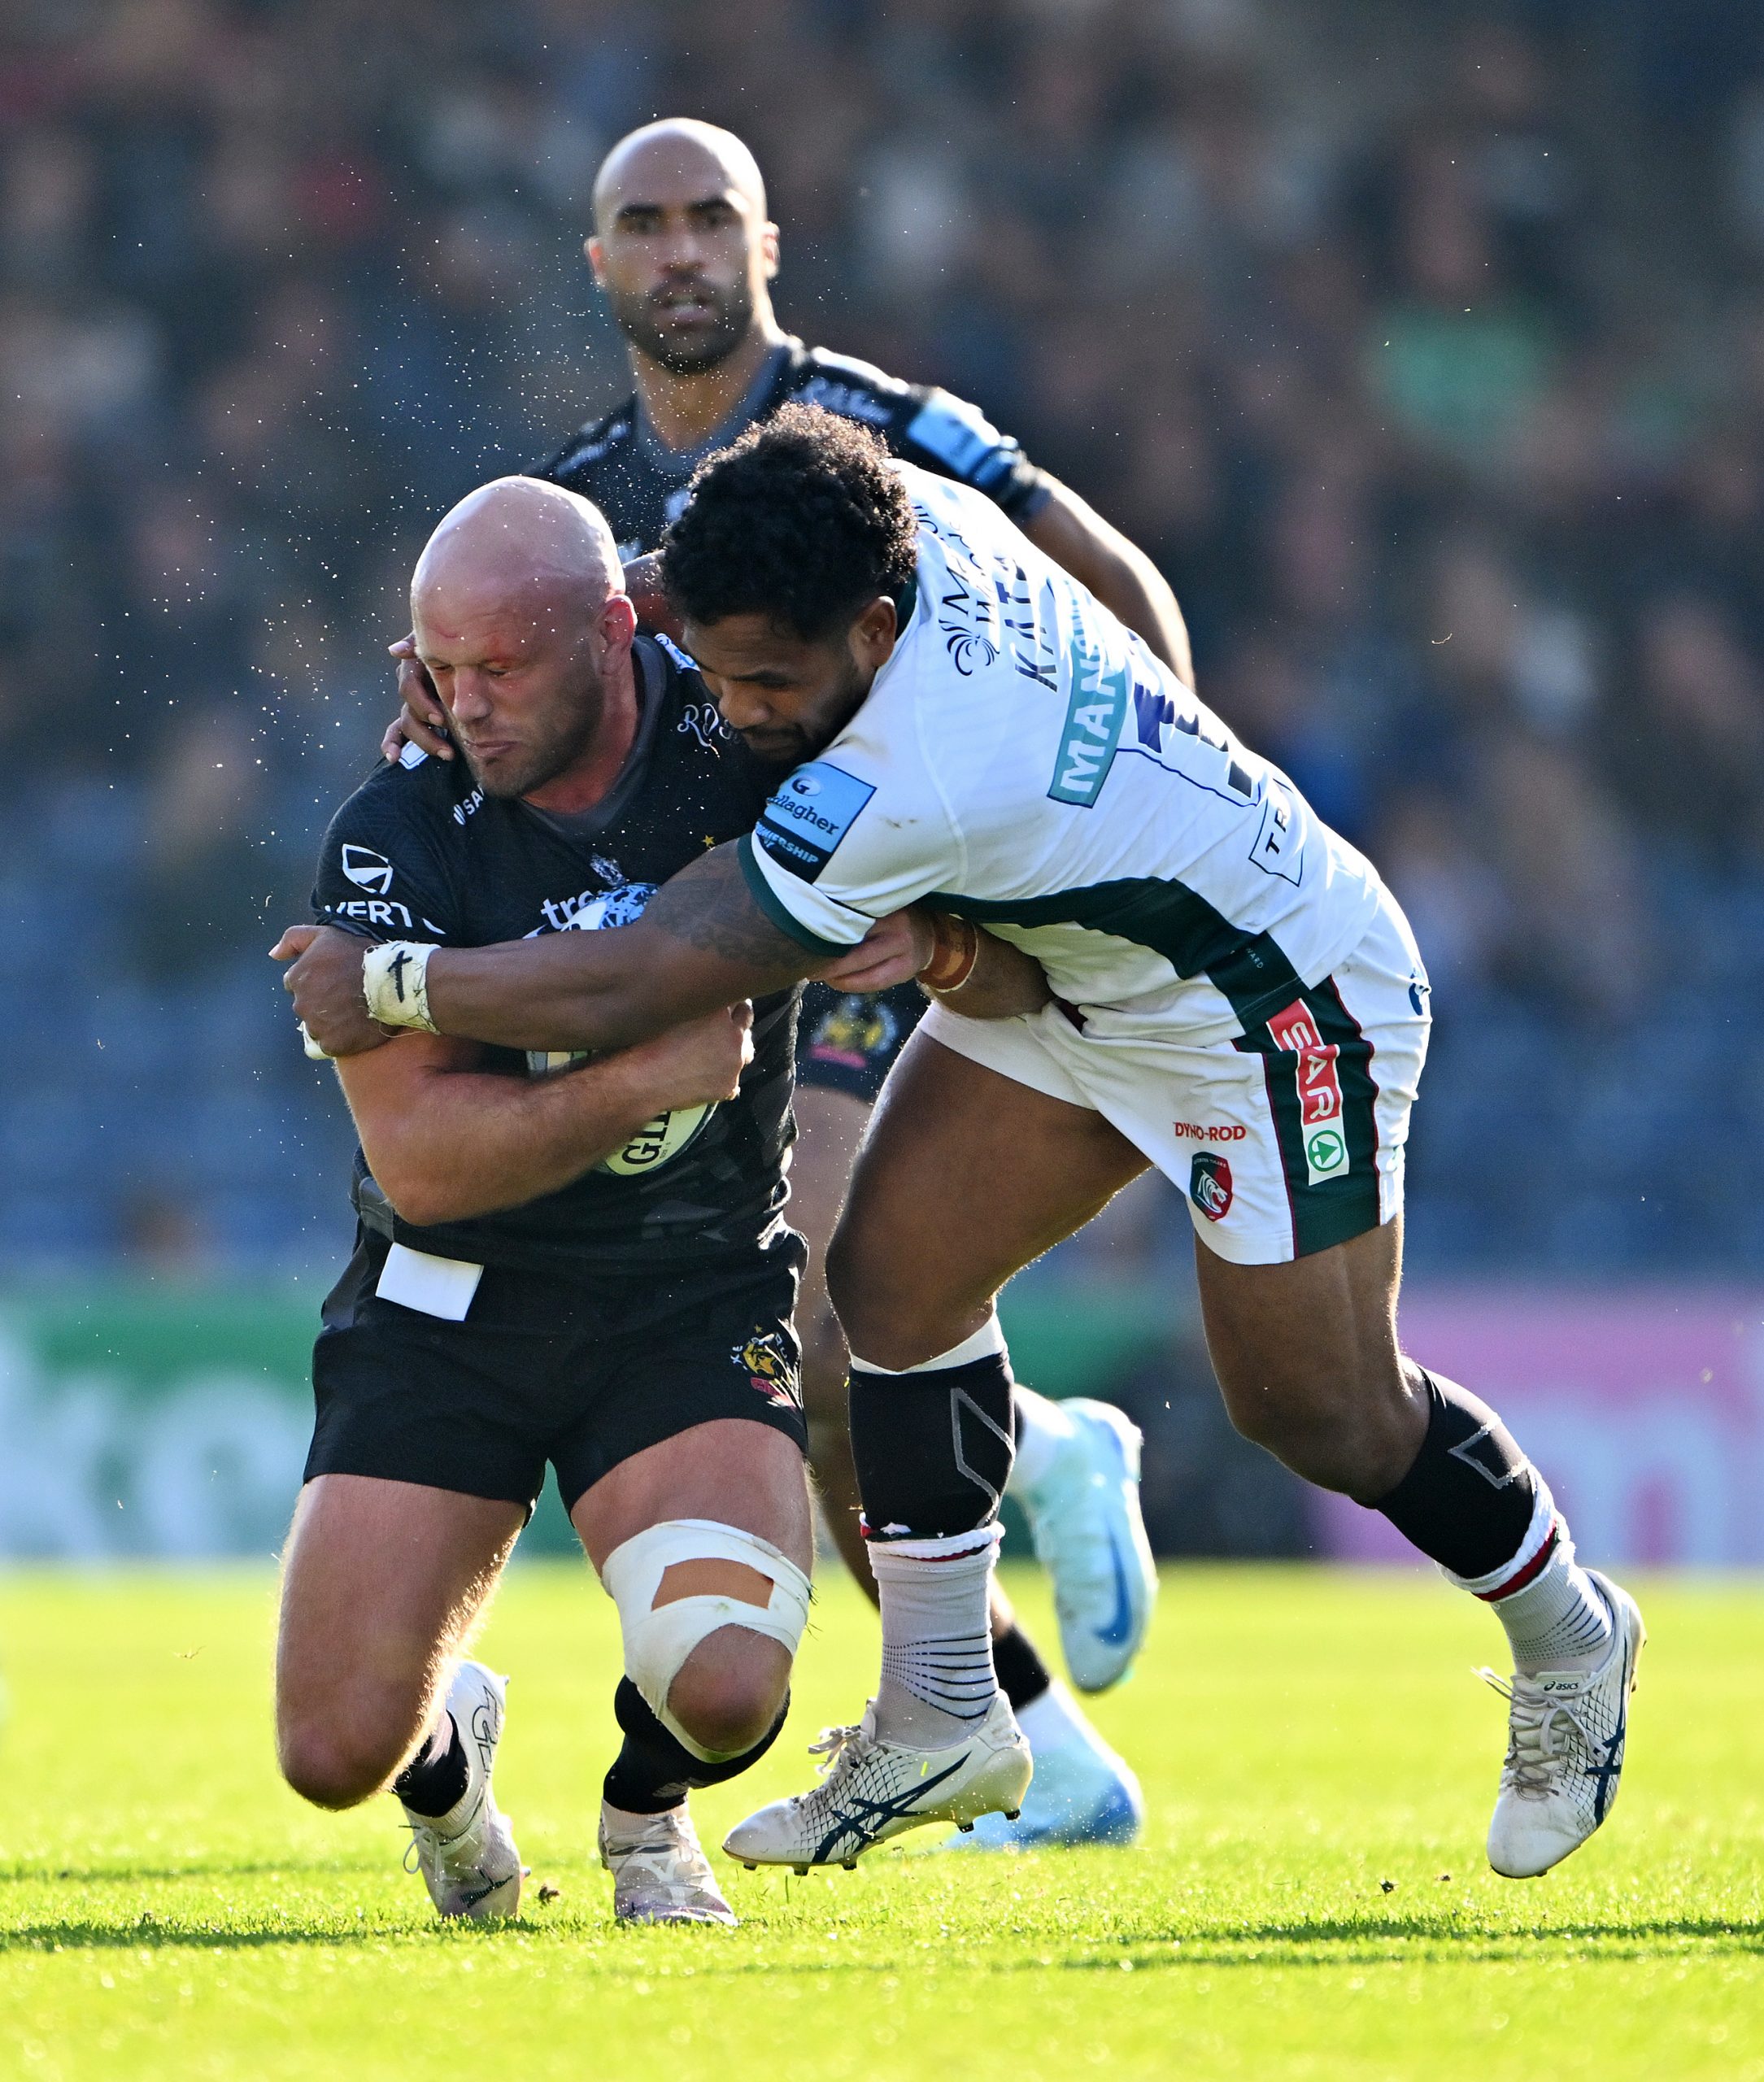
658,1638
394,981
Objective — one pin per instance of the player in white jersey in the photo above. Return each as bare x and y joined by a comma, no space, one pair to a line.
1224,988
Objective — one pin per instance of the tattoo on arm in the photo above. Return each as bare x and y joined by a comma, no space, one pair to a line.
709,906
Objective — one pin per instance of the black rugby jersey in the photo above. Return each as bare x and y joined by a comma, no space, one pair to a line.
640,486
420,852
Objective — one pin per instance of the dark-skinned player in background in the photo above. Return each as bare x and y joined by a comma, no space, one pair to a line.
1232,994
684,253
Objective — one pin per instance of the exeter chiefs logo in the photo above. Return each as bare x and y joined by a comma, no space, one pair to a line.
770,1367
854,1031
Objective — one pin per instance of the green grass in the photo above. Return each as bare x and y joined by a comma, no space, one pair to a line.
1310,1901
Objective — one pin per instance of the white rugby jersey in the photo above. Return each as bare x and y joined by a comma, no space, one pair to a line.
1024,760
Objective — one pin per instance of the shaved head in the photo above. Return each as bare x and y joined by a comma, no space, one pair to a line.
683,246
516,540
520,614
677,145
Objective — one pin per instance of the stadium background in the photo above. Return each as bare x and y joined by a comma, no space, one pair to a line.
1427,358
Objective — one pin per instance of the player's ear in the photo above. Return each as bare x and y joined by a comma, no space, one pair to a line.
618,624
596,259
768,251
873,634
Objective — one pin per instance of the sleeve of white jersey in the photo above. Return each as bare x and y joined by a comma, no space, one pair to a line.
839,847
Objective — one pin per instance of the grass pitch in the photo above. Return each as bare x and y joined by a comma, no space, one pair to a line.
1311,1900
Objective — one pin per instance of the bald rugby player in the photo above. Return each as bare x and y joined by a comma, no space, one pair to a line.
684,253
530,1285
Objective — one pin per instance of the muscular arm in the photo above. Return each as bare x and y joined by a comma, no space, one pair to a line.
1120,573
702,943
447,1141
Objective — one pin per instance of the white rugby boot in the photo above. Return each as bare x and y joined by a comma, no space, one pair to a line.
1566,1735
1081,1792
871,1790
1083,1515
468,1857
660,1871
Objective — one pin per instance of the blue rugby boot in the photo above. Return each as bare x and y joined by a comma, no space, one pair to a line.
1083,1504
1081,1792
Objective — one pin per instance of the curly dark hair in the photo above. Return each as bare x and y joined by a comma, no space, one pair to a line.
801,520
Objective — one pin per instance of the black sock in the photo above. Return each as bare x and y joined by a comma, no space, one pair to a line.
654,1770
1467,1501
435,1779
933,1450
1022,1675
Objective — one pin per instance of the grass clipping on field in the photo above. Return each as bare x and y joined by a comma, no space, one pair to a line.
1310,1899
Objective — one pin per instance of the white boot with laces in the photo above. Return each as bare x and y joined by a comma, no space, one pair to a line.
871,1790
468,1857
1567,1731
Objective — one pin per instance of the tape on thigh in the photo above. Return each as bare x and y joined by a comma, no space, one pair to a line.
658,1638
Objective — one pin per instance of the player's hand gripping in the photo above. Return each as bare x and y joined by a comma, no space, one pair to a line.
422,721
697,1065
998,982
324,979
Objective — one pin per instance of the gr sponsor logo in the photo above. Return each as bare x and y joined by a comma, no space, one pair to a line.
1210,1185
1326,1152
1216,1131
1295,1032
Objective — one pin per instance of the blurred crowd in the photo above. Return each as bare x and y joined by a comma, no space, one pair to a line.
1424,347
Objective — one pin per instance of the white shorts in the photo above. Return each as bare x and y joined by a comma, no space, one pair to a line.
1286,1139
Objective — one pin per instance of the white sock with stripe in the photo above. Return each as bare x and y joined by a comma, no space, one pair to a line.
1554,1617
937,1682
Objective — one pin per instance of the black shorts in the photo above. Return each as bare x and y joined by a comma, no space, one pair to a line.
582,1373
850,1043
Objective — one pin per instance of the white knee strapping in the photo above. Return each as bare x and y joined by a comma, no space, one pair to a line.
658,1639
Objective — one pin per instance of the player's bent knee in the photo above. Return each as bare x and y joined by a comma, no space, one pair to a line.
677,1584
897,1324
328,1769
728,1691
877,1305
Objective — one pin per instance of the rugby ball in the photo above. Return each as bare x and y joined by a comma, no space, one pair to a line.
657,1142
653,1144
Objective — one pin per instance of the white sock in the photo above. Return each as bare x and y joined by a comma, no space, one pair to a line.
938,1682
1053,1720
1558,1621
1042,1428
1555,1618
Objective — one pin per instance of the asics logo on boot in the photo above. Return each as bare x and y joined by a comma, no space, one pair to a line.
869,1816
1609,1767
